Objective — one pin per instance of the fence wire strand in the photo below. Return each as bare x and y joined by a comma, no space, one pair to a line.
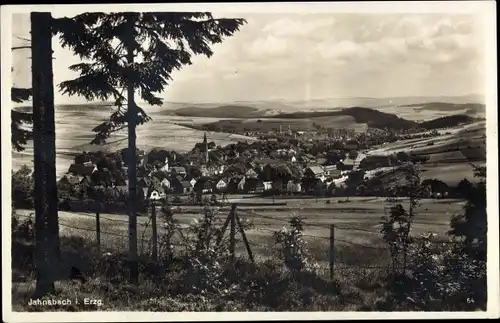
140,237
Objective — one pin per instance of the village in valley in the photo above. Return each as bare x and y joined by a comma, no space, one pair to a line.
185,161
319,163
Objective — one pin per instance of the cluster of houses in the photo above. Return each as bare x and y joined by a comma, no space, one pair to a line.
160,180
238,169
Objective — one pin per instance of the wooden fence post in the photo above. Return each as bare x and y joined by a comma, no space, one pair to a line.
244,236
332,249
98,232
232,233
155,235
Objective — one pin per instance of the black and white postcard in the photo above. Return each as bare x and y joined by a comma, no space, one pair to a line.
249,161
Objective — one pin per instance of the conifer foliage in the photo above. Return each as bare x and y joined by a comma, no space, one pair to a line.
161,42
20,136
134,52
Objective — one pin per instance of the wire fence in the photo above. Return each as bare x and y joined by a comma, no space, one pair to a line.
342,246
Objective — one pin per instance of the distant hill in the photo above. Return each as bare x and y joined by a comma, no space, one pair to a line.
448,107
373,118
225,111
447,122
377,119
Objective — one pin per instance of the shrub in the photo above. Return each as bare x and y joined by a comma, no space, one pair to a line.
452,276
444,278
22,188
396,227
204,254
291,247
23,229
165,240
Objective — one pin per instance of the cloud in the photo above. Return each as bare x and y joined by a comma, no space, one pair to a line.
299,26
327,55
269,46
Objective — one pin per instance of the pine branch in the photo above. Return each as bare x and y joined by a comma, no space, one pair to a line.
166,41
20,136
20,95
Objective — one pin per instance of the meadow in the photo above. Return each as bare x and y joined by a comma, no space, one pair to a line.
362,259
74,126
356,220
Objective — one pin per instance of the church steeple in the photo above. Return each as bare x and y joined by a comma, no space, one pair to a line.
205,144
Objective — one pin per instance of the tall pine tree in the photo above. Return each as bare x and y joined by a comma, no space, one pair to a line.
136,52
46,216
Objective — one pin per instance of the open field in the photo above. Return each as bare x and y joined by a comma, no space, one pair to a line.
273,124
74,126
468,135
357,225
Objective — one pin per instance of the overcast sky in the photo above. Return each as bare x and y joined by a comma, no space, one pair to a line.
312,56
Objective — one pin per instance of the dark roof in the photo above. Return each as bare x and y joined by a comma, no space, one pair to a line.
122,188
266,161
81,170
204,179
157,174
186,184
179,170
71,179
155,181
146,181
88,178
316,170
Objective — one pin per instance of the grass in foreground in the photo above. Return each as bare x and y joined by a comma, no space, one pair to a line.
265,286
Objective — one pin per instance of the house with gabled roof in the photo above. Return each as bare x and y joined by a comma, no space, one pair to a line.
121,190
332,171
186,187
86,181
232,184
69,180
314,172
165,183
221,184
154,193
177,170
251,174
268,185
241,184
348,163
204,185
293,186
81,170
144,182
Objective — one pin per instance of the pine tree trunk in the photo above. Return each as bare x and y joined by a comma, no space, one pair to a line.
47,245
132,165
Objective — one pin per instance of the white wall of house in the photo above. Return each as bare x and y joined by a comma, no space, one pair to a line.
166,183
154,195
241,184
193,182
293,187
165,167
221,185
